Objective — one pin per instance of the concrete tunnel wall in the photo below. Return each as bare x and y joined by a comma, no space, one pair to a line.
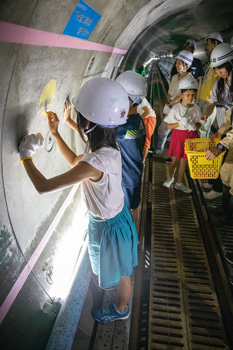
35,78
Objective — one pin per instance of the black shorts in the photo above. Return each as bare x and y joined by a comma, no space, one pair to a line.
132,196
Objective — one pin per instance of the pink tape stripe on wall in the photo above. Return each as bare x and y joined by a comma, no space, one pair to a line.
13,33
32,261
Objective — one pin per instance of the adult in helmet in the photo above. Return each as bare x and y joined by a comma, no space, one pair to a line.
131,138
223,215
102,105
183,62
183,118
210,77
221,59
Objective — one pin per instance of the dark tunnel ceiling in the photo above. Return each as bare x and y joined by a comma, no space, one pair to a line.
169,33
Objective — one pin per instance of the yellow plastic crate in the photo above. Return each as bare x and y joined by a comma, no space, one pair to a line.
199,166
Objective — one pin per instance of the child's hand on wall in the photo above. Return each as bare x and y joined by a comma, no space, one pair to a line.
67,109
29,144
53,122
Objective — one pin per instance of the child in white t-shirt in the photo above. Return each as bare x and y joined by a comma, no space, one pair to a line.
102,105
183,118
184,60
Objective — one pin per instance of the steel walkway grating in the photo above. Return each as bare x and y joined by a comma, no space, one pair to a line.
225,237
184,311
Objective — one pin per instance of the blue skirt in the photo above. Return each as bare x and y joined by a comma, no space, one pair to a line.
113,247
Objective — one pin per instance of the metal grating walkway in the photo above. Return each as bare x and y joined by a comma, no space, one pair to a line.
184,311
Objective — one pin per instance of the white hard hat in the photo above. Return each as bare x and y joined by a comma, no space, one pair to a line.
103,101
222,53
190,43
134,83
188,83
215,36
185,56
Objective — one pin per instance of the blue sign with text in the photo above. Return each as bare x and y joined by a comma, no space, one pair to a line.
82,22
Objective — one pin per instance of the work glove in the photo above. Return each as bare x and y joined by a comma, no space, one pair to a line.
29,144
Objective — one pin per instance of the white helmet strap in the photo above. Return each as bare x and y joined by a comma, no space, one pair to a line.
91,129
183,70
103,126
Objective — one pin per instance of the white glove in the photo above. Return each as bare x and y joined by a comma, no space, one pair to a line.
29,144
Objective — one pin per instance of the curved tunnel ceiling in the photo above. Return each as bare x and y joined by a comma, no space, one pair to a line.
168,33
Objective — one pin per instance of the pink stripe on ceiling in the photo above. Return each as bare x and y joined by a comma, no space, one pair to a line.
5,307
13,33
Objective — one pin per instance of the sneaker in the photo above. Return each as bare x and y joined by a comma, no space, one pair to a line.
182,187
207,186
229,257
110,314
168,160
212,195
168,182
